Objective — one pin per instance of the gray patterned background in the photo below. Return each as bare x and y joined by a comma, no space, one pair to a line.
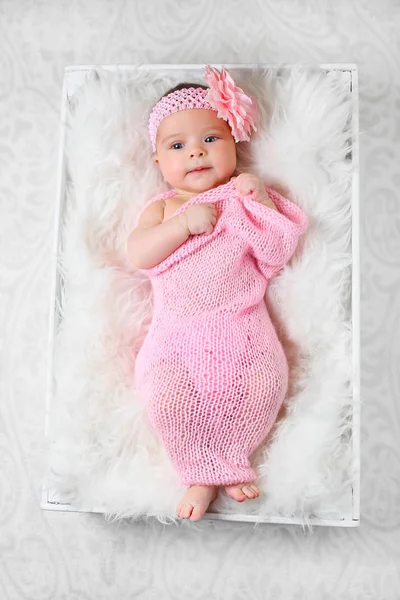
55,555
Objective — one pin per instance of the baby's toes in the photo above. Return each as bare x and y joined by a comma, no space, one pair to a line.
184,510
251,491
255,490
235,492
248,492
197,513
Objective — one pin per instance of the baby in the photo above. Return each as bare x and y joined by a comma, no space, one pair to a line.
211,369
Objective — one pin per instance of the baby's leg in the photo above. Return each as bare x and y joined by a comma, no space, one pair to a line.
170,411
263,387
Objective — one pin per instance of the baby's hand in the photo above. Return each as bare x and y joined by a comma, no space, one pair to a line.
246,183
201,218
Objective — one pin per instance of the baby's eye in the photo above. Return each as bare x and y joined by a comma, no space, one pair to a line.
177,146
210,138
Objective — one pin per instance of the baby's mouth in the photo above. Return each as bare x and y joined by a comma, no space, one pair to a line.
199,169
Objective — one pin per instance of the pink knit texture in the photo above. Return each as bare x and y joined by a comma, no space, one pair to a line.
211,369
184,99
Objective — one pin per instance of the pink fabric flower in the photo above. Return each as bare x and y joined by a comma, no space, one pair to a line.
231,103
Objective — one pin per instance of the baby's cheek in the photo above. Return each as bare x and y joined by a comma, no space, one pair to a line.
173,170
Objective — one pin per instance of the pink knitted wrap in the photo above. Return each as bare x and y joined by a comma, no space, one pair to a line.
211,370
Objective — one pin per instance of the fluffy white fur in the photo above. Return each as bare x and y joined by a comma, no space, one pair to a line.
104,453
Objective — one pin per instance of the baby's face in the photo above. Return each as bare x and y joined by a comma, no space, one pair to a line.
195,139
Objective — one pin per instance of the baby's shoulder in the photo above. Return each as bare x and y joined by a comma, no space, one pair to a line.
152,214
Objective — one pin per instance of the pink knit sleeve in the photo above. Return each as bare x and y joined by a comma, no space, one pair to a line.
273,234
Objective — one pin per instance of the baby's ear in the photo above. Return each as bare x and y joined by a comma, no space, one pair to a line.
155,157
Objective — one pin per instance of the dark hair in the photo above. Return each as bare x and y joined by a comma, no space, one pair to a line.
183,86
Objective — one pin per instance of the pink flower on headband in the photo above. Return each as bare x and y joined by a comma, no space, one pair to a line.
231,103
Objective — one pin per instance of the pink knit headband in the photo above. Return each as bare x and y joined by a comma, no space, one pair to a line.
223,96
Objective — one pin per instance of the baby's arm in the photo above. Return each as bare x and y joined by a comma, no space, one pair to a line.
153,240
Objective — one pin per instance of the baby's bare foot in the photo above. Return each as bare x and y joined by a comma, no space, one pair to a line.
241,491
196,501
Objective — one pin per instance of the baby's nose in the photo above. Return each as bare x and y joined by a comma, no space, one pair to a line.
197,151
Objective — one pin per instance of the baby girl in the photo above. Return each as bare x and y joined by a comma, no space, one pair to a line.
211,370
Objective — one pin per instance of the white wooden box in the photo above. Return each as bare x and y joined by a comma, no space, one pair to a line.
74,77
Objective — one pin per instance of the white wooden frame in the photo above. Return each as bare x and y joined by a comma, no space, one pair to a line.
74,77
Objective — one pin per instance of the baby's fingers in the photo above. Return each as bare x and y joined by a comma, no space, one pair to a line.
244,183
244,188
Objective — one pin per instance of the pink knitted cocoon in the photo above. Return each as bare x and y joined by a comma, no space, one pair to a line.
211,370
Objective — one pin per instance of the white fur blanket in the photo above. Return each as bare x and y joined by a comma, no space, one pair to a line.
104,454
